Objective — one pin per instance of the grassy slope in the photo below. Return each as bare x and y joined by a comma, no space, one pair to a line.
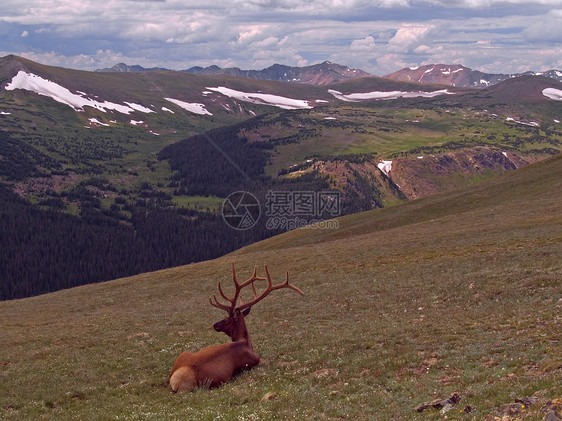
458,292
388,130
43,117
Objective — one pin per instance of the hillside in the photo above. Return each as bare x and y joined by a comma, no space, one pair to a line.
453,293
148,158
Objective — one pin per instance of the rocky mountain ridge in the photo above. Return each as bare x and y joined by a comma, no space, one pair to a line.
460,76
327,73
318,74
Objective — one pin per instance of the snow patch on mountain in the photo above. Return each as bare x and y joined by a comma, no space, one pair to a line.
447,71
385,167
378,95
553,93
263,99
34,83
4,113
192,107
95,121
140,108
526,123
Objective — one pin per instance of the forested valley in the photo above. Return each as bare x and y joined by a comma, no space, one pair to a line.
47,248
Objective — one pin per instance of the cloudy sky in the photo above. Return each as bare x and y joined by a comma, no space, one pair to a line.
378,36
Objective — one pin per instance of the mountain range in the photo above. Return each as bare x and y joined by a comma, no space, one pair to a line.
319,74
326,73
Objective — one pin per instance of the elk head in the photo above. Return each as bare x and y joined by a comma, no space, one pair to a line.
230,324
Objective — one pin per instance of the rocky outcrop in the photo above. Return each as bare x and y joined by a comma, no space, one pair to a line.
369,185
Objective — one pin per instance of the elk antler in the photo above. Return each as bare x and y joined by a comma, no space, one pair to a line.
238,287
270,287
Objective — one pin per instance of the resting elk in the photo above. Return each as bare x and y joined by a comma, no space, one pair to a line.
216,364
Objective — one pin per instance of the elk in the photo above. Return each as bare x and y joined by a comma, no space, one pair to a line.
216,364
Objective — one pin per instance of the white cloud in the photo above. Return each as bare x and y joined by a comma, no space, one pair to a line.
316,6
379,36
323,6
269,42
388,63
365,44
410,37
251,33
549,28
491,3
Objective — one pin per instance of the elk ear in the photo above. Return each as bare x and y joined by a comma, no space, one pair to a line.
247,311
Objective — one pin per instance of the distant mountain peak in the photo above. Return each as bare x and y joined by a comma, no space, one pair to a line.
459,75
123,68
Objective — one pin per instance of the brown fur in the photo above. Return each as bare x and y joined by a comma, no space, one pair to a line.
216,364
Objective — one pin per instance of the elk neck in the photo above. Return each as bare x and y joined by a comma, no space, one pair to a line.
240,333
